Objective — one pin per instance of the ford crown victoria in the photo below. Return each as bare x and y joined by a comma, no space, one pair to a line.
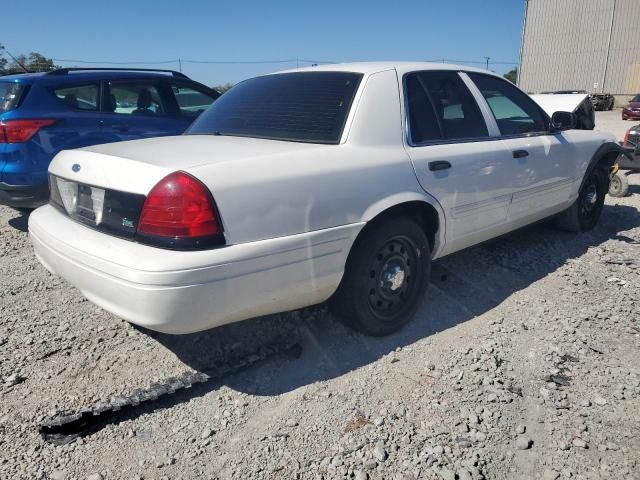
339,183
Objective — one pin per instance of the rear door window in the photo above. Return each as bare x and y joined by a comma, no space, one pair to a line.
136,98
10,95
424,126
191,102
80,97
441,107
515,112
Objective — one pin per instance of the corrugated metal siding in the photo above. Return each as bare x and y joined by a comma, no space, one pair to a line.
565,46
623,69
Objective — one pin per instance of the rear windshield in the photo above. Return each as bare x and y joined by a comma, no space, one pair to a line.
302,107
10,95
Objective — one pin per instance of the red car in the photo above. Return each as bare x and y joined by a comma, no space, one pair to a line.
632,110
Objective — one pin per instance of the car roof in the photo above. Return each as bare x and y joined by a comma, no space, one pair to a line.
81,75
21,77
368,68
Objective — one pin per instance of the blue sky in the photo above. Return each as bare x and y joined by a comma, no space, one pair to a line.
325,30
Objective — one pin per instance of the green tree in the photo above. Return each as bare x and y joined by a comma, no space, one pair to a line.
34,62
512,75
3,61
39,63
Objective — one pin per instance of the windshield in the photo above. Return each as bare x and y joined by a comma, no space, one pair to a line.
636,98
9,95
303,107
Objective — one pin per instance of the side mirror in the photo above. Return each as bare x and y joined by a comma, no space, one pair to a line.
563,120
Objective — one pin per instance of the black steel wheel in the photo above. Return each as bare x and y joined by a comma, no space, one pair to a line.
585,212
385,277
589,198
390,282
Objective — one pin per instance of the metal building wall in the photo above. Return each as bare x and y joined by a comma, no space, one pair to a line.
591,45
623,69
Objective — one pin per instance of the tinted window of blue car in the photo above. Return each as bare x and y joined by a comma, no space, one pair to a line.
10,94
81,97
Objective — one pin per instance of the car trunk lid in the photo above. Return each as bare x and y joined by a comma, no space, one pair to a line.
136,166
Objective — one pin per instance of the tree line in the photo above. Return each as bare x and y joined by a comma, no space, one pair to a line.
32,62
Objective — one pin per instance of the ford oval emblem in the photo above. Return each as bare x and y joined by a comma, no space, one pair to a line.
75,167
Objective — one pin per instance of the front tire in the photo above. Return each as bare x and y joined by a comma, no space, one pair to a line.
385,278
585,212
619,185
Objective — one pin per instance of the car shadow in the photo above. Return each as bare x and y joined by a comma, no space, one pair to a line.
463,286
21,222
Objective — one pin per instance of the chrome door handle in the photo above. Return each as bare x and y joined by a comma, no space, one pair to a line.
439,165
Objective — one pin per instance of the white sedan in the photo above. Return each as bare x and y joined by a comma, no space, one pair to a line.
339,182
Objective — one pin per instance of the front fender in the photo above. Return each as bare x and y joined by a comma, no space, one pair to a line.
608,153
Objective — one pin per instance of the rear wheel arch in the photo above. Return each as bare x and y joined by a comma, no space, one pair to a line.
426,214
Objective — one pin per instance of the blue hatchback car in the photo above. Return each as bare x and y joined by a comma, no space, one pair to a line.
43,113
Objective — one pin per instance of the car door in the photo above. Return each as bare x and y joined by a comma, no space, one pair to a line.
79,108
544,162
456,158
140,108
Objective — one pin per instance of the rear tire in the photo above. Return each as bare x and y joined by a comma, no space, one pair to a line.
619,185
385,278
585,212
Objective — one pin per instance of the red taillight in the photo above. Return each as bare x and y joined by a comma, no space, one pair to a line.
625,141
20,131
179,207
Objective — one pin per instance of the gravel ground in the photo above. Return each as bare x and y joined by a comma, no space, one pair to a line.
521,363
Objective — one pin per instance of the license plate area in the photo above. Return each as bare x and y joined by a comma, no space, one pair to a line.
110,211
90,204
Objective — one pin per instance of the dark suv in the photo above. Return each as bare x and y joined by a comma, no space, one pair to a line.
44,113
602,101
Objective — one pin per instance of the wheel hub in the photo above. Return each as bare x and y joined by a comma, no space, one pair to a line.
390,273
392,277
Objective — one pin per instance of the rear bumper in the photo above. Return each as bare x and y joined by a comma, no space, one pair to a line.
23,196
184,292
